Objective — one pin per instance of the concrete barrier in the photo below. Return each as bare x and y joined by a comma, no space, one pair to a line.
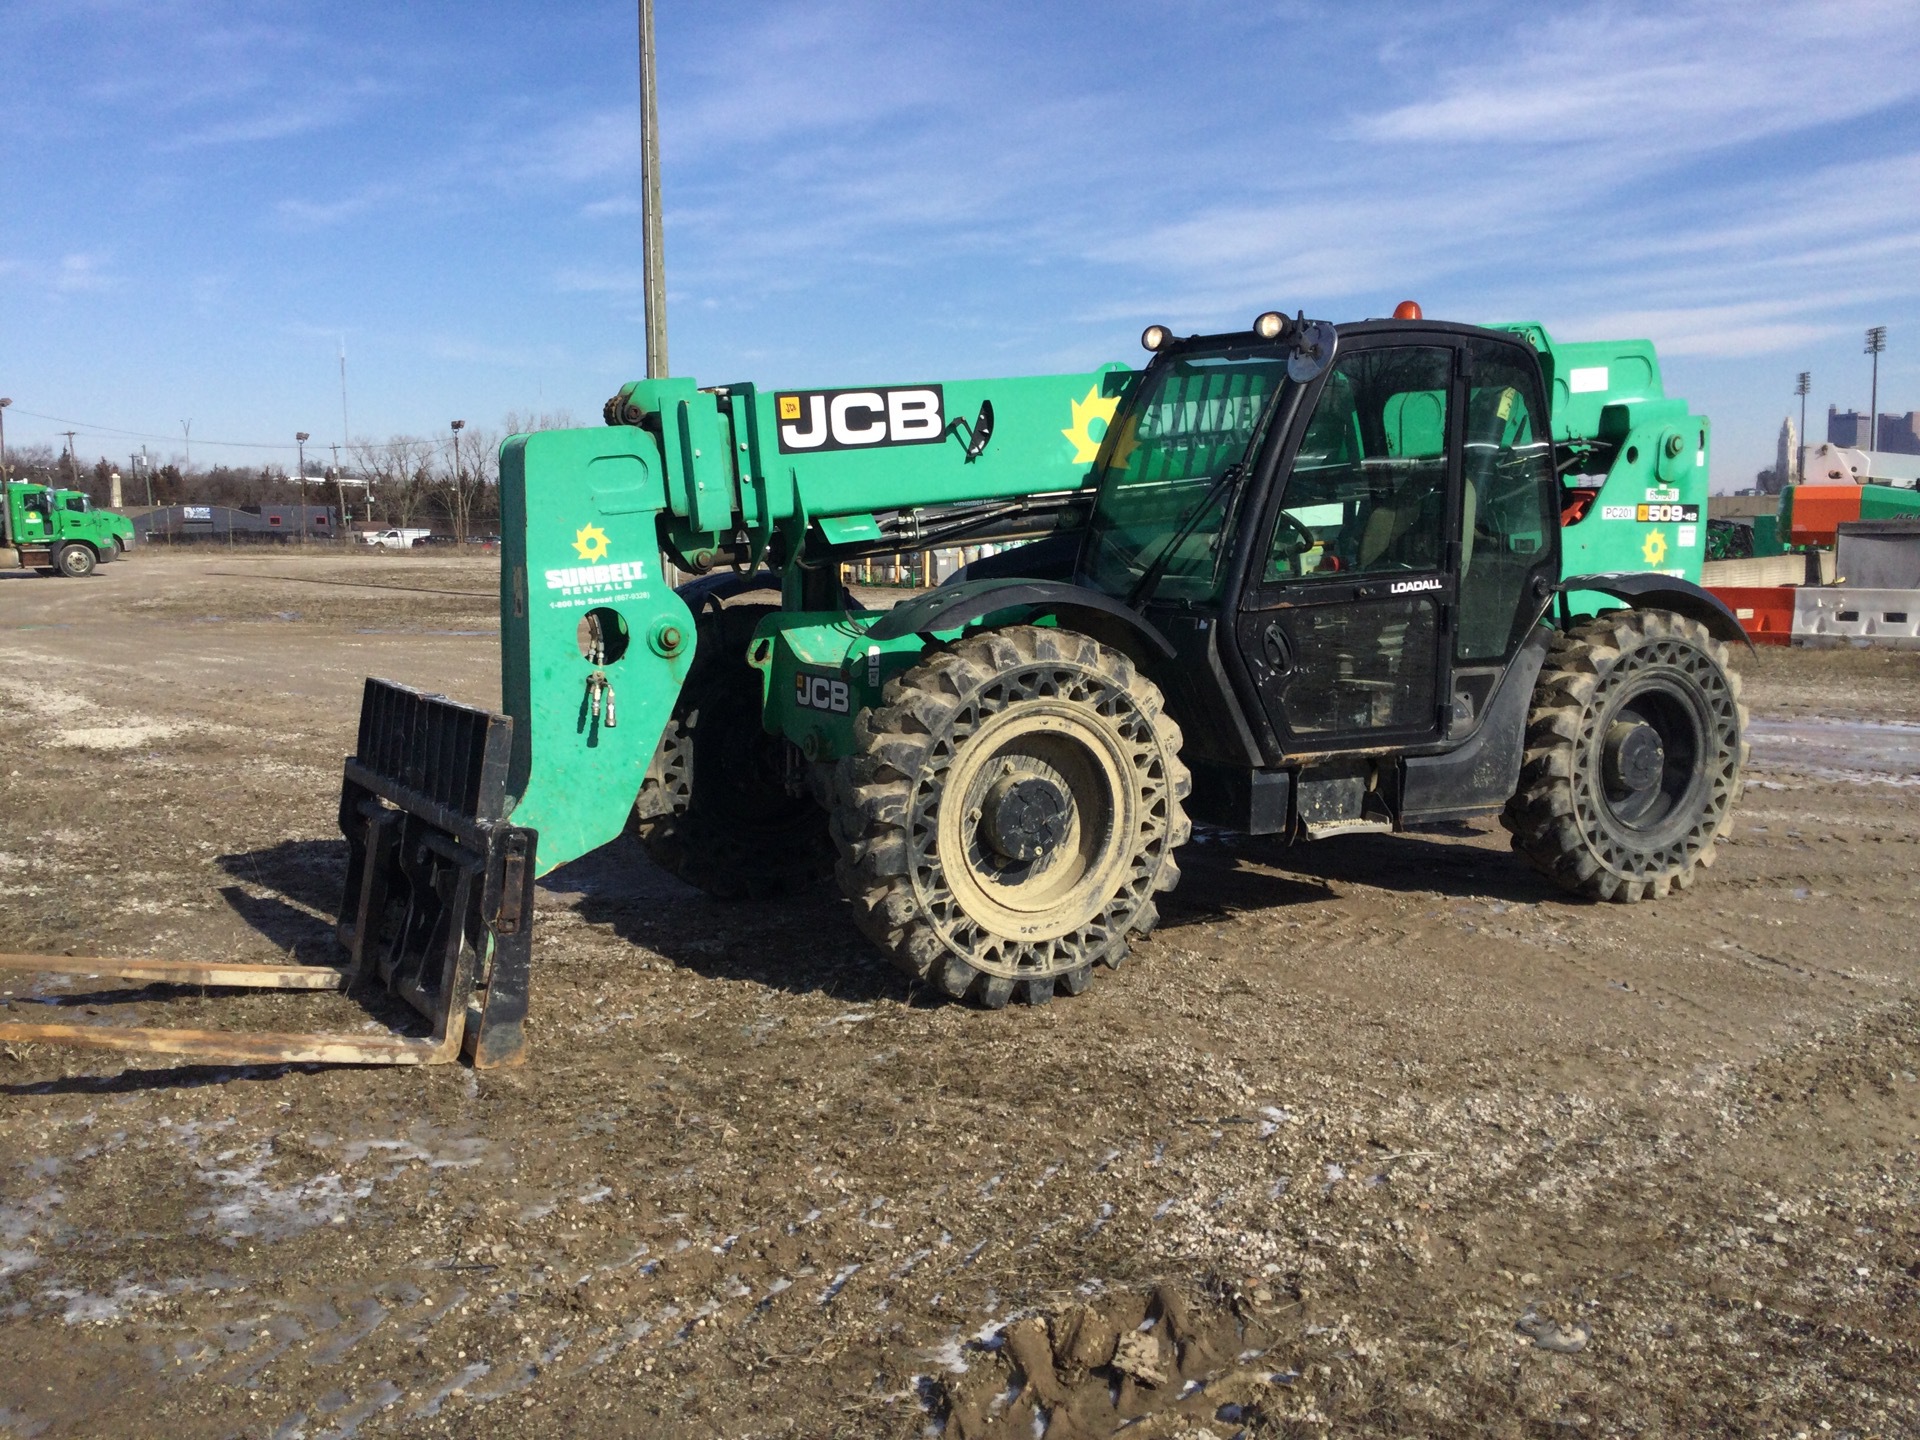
1844,615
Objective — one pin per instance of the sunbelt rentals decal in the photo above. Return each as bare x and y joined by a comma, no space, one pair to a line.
576,584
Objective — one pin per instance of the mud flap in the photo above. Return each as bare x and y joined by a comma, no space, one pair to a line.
437,910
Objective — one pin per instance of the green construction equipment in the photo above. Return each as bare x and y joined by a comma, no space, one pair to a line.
58,532
1297,580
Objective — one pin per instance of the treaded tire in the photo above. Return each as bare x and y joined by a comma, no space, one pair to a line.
999,709
1573,814
714,808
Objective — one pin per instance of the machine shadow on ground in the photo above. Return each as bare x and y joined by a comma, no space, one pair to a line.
806,944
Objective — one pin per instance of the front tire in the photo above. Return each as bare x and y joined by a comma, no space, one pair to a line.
1636,745
1009,814
75,561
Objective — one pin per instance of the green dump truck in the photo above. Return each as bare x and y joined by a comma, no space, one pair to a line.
58,532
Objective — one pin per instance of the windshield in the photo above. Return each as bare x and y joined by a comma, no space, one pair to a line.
1188,419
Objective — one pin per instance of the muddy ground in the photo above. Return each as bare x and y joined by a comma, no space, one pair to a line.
1377,1136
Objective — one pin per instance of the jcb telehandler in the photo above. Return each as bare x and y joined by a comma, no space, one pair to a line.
1307,580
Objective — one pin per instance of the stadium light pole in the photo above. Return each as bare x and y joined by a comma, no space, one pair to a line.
300,438
1876,344
5,400
1801,387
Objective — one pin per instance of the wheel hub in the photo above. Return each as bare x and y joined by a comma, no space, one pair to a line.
1634,756
1025,817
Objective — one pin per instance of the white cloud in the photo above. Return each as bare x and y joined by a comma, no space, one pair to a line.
314,214
83,273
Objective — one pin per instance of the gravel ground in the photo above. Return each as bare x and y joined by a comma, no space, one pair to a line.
1374,1136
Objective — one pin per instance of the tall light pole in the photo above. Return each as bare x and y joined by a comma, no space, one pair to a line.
1876,343
459,496
300,438
1801,386
652,251
5,400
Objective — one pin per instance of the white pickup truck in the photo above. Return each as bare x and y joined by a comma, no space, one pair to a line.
394,539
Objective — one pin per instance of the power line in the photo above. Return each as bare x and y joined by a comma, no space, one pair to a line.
86,428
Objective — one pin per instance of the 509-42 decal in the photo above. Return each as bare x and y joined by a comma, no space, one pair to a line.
1669,514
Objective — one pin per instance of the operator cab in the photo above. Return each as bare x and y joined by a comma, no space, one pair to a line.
1348,551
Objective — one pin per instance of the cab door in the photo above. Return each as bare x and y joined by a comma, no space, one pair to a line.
1346,620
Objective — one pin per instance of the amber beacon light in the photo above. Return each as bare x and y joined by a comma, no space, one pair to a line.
1407,310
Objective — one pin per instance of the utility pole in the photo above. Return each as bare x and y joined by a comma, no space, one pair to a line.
300,438
652,250
186,427
73,461
459,496
1801,386
1876,344
5,400
346,435
146,468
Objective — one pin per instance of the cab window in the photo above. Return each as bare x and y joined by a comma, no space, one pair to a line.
1368,489
1509,501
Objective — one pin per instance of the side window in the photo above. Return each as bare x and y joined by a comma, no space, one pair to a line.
1368,491
1509,504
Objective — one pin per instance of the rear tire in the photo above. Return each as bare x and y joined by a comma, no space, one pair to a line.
75,561
1635,749
714,808
1009,814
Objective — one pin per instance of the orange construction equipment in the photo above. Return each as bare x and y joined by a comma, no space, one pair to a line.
1814,513
1765,612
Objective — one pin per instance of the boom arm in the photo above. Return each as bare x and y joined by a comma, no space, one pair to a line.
596,645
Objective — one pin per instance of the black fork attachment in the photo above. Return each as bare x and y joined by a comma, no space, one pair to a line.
437,909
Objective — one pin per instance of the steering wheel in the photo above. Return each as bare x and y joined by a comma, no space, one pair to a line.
1305,536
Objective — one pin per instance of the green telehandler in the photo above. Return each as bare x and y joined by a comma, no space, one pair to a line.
1297,580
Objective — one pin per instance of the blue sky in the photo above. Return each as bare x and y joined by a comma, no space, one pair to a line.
201,199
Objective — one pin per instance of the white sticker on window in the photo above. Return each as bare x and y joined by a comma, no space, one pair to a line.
1588,379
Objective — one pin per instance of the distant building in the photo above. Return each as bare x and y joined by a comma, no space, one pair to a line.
1785,455
1899,434
254,522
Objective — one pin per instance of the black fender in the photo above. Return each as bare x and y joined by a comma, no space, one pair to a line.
710,590
1643,591
950,607
1052,558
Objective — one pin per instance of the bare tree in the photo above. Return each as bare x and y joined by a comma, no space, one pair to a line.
400,471
471,490
519,422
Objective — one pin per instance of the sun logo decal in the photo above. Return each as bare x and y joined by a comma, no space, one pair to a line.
1655,548
1086,445
590,543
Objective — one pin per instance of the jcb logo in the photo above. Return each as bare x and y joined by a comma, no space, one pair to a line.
859,419
819,692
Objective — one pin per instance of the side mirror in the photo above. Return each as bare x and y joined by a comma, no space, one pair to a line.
1314,342
982,431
